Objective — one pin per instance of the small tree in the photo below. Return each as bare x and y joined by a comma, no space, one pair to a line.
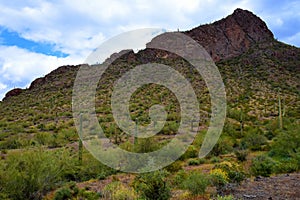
196,183
153,186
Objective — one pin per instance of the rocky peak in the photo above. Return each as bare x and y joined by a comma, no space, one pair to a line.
233,35
13,92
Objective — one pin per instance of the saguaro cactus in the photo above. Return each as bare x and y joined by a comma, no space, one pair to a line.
280,113
241,123
80,146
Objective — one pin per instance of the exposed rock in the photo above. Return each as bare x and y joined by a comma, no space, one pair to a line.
53,79
232,35
13,92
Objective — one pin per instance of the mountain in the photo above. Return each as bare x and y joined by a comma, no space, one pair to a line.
233,35
261,77
255,67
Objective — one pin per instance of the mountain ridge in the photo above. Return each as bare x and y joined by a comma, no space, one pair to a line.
227,38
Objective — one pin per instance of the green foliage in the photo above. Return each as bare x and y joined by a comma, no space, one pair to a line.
90,168
174,167
286,166
118,191
191,152
219,177
228,197
62,194
196,161
30,174
241,155
196,183
262,166
153,186
71,191
287,143
178,178
223,146
253,140
232,169
145,145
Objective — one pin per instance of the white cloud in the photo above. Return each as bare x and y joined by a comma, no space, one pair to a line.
19,66
294,39
2,86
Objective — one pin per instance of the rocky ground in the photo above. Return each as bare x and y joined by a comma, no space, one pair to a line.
285,186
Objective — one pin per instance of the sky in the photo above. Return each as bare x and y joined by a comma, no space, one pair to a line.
37,36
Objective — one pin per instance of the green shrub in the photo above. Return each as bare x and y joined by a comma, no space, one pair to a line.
196,183
153,186
88,195
228,197
178,178
194,161
43,138
215,159
118,191
62,194
174,167
219,177
241,155
287,143
253,141
30,174
234,171
262,166
191,152
286,166
223,146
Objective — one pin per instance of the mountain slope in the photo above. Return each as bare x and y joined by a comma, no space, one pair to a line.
261,77
255,67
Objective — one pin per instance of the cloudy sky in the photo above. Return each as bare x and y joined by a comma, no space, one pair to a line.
37,36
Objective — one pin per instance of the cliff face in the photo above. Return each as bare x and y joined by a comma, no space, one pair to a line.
231,36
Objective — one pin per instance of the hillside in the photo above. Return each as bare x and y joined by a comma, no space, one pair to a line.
261,76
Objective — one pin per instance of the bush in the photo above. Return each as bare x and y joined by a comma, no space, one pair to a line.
153,185
196,161
118,191
30,174
196,183
219,177
235,174
223,146
174,167
71,191
241,155
287,143
286,166
191,152
229,197
179,178
62,194
262,166
253,141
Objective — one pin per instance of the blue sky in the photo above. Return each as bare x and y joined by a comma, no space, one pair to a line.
37,36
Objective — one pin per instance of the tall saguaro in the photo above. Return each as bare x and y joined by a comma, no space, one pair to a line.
280,113
80,146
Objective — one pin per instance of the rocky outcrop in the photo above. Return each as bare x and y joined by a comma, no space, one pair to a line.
232,35
12,93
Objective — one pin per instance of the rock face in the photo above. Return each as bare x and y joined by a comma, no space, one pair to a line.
232,35
53,77
13,92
